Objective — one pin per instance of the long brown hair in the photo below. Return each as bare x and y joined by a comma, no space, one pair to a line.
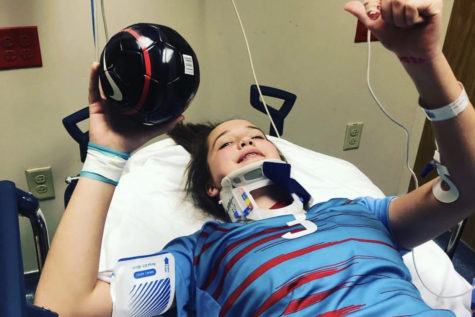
193,137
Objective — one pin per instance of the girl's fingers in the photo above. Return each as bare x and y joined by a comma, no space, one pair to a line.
411,16
373,8
357,9
398,13
94,94
387,11
405,14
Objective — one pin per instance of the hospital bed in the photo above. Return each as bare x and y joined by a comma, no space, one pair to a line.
150,208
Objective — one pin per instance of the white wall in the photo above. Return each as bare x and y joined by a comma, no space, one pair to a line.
303,46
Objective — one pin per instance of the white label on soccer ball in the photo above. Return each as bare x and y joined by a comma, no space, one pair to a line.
189,69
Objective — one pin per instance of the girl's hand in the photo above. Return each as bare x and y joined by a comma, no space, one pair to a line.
409,28
115,131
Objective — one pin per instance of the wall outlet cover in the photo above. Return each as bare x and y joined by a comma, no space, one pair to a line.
40,182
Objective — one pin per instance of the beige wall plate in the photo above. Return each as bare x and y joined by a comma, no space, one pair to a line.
40,182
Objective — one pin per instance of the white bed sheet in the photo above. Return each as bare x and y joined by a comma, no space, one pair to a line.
150,208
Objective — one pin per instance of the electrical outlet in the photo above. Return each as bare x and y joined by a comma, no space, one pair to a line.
353,135
19,47
40,182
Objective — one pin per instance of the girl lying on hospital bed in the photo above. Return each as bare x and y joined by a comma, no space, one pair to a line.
282,256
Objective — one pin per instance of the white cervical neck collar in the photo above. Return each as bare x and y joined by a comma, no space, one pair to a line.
236,189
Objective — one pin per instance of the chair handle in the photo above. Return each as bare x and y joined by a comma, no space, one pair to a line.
278,116
71,124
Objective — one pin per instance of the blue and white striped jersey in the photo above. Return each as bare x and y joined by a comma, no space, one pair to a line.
282,266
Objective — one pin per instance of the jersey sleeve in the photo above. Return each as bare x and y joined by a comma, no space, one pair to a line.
379,207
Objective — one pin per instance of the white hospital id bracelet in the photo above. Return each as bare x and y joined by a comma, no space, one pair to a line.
449,111
143,286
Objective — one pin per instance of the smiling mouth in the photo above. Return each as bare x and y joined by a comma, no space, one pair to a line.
248,155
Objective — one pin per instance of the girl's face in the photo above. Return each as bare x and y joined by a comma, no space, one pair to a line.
234,144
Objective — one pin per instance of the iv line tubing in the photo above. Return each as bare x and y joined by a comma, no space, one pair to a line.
96,28
253,71
381,107
103,11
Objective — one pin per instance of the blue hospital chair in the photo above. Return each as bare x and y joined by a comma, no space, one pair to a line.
12,292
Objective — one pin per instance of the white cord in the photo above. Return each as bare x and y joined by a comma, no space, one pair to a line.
96,26
406,132
104,22
253,71
96,37
414,177
430,291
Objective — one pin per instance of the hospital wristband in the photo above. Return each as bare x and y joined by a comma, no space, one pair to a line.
104,164
449,111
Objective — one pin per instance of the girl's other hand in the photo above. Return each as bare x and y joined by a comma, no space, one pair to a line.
409,28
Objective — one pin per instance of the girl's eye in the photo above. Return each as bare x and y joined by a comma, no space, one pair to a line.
258,137
222,146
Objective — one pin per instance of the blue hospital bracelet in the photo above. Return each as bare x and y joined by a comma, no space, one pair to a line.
104,164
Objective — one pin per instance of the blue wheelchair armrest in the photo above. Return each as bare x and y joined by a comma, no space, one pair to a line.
12,292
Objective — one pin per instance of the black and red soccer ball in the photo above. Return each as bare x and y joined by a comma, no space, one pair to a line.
150,72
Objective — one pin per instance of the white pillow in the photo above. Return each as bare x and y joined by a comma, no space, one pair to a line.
150,208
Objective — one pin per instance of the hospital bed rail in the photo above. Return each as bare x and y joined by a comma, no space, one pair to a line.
12,293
